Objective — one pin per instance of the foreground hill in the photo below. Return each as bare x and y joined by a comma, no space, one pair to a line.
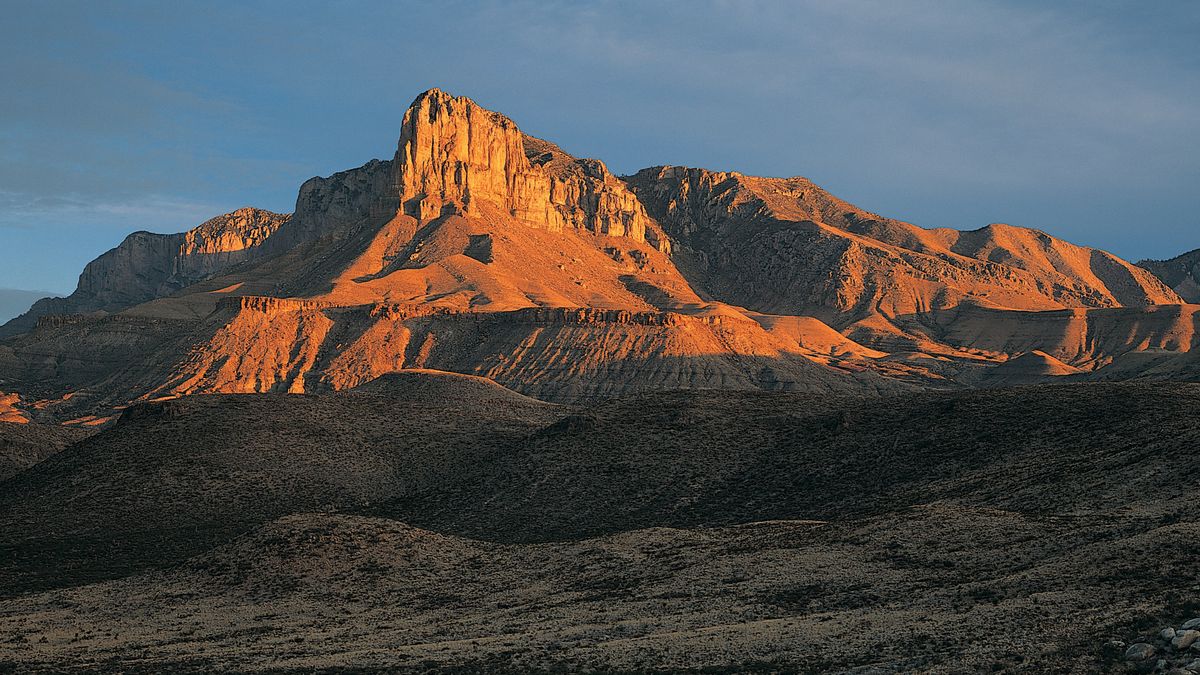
479,249
22,445
466,526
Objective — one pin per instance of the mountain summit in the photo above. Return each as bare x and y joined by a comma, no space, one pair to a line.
456,157
482,250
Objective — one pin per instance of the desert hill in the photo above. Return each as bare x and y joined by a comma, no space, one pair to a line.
1030,367
479,249
228,462
22,444
753,531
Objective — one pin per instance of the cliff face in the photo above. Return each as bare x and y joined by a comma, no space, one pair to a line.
335,205
146,266
455,157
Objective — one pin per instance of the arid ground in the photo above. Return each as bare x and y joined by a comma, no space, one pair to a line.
1018,530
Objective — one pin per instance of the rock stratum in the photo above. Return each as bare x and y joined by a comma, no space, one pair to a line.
481,250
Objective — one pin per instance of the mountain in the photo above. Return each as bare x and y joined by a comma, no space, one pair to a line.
1181,273
785,246
146,266
433,522
14,302
482,250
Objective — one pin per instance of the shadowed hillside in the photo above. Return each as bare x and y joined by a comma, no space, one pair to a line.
23,445
466,526
1181,273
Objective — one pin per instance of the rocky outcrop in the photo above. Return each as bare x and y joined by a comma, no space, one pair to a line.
455,157
1170,650
146,266
333,206
269,305
10,412
221,242
1181,273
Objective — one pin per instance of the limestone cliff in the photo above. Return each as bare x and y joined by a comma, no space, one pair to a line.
332,207
483,250
146,266
455,157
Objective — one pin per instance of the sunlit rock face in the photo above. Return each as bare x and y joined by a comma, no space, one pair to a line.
456,157
146,265
223,241
786,246
9,410
482,250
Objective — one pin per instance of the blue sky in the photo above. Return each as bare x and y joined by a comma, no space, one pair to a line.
1082,119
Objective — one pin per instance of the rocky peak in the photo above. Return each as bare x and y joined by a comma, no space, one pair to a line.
244,228
456,157
148,265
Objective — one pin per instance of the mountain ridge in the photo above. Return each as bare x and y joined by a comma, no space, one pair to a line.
475,228
1181,273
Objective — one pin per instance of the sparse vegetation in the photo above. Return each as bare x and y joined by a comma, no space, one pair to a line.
686,532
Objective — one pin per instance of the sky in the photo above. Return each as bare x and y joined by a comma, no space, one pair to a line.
1078,118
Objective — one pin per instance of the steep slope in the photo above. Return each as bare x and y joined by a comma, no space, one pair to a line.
146,266
558,354
1181,273
492,219
1086,338
786,246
